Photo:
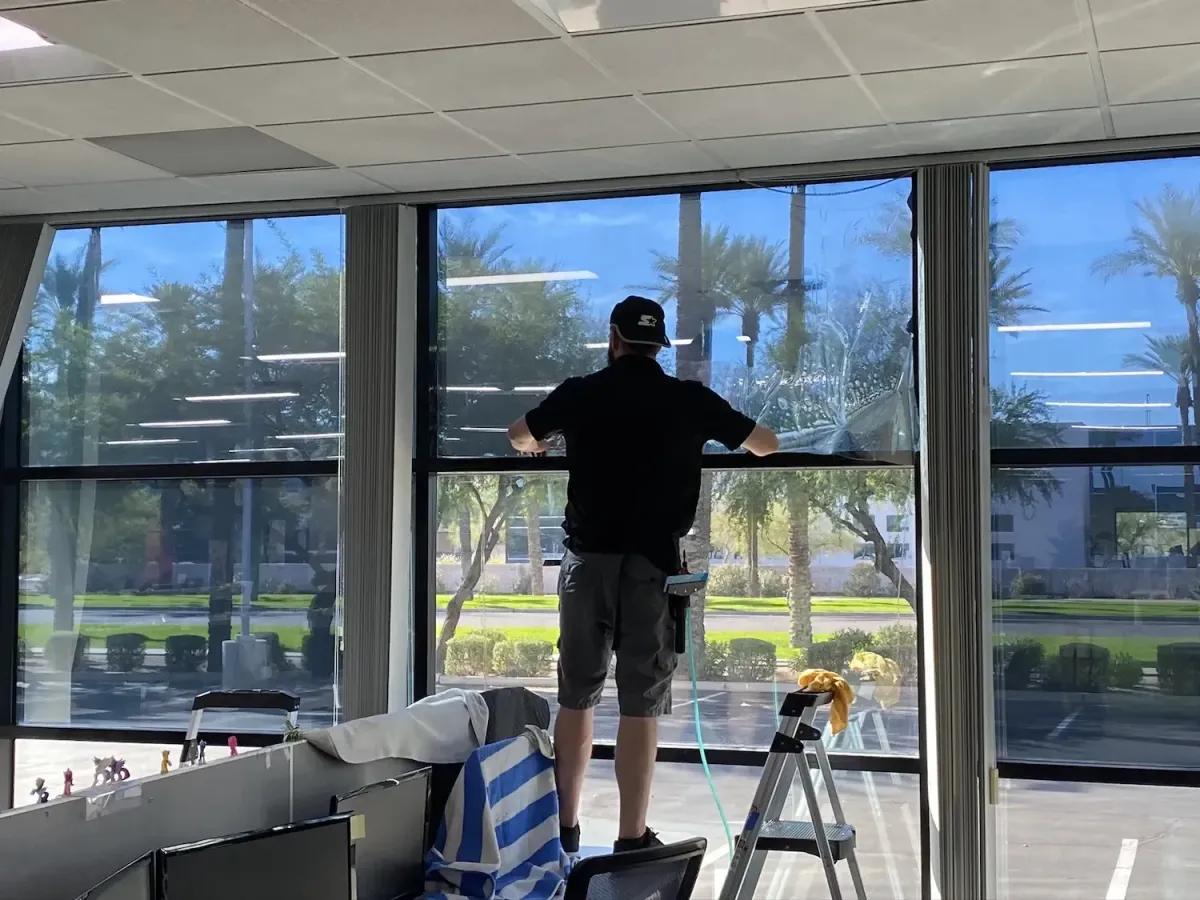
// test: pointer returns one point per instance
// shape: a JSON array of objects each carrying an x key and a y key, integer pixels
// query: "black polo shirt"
[{"x": 634, "y": 438}]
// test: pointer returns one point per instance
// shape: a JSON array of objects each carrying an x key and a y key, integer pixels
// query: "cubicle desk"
[{"x": 58, "y": 850}]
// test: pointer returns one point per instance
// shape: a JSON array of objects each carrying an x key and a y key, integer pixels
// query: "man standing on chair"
[{"x": 634, "y": 438}]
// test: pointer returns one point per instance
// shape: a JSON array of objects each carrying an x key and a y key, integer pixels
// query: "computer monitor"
[
  {"x": 389, "y": 845},
  {"x": 134, "y": 882},
  {"x": 303, "y": 861}
]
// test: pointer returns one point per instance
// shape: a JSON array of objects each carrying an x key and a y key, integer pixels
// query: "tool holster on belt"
[{"x": 678, "y": 605}]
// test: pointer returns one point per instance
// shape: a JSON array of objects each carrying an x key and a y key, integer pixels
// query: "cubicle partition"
[{"x": 58, "y": 850}]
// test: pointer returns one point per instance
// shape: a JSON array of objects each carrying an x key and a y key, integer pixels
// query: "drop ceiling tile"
[
  {"x": 22, "y": 202},
  {"x": 14, "y": 132},
  {"x": 105, "y": 106},
  {"x": 1148, "y": 119},
  {"x": 159, "y": 36},
  {"x": 621, "y": 162},
  {"x": 884, "y": 38},
  {"x": 579, "y": 125},
  {"x": 365, "y": 142},
  {"x": 768, "y": 108},
  {"x": 495, "y": 75},
  {"x": 809, "y": 146},
  {"x": 986, "y": 132},
  {"x": 53, "y": 62},
  {"x": 289, "y": 185},
  {"x": 215, "y": 151},
  {"x": 128, "y": 195},
  {"x": 69, "y": 162},
  {"x": 453, "y": 174},
  {"x": 291, "y": 92},
  {"x": 737, "y": 51},
  {"x": 1125, "y": 24},
  {"x": 1032, "y": 85},
  {"x": 388, "y": 26},
  {"x": 1159, "y": 73}
]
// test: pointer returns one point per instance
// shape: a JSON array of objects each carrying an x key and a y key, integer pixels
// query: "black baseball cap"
[{"x": 640, "y": 321}]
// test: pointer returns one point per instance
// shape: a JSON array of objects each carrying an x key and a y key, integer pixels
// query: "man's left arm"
[{"x": 552, "y": 416}]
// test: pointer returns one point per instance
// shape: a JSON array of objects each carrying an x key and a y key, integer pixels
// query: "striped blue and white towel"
[{"x": 499, "y": 838}]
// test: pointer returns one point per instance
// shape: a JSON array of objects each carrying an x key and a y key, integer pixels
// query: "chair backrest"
[{"x": 656, "y": 873}]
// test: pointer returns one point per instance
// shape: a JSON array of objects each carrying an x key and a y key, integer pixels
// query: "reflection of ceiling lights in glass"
[
  {"x": 1085, "y": 404},
  {"x": 471, "y": 389},
  {"x": 185, "y": 423},
  {"x": 1126, "y": 427},
  {"x": 316, "y": 436},
  {"x": 141, "y": 442},
  {"x": 1073, "y": 326},
  {"x": 18, "y": 37},
  {"x": 481, "y": 430},
  {"x": 675, "y": 342},
  {"x": 123, "y": 299},
  {"x": 263, "y": 450},
  {"x": 597, "y": 346},
  {"x": 591, "y": 15},
  {"x": 520, "y": 278},
  {"x": 265, "y": 395},
  {"x": 322, "y": 356},
  {"x": 534, "y": 388},
  {"x": 744, "y": 338},
  {"x": 1087, "y": 374}
]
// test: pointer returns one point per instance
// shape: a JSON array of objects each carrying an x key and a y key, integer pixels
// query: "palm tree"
[
  {"x": 1167, "y": 245},
  {"x": 756, "y": 282},
  {"x": 535, "y": 502}
]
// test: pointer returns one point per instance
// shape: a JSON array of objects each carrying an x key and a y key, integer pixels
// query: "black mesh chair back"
[{"x": 656, "y": 873}]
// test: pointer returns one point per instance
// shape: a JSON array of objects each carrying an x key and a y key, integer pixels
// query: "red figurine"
[
  {"x": 68, "y": 782},
  {"x": 232, "y": 746}
]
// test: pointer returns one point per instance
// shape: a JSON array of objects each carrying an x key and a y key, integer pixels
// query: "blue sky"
[{"x": 1068, "y": 216}]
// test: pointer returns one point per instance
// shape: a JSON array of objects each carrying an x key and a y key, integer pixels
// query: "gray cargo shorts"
[{"x": 599, "y": 593}]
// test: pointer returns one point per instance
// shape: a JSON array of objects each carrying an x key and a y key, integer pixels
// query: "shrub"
[
  {"x": 504, "y": 658},
  {"x": 861, "y": 581},
  {"x": 751, "y": 659},
  {"x": 715, "y": 663},
  {"x": 186, "y": 652},
  {"x": 524, "y": 582},
  {"x": 1179, "y": 669},
  {"x": 1016, "y": 661},
  {"x": 899, "y": 644},
  {"x": 487, "y": 585},
  {"x": 317, "y": 654},
  {"x": 439, "y": 584},
  {"x": 728, "y": 581},
  {"x": 799, "y": 662},
  {"x": 276, "y": 655},
  {"x": 835, "y": 653},
  {"x": 469, "y": 654},
  {"x": 126, "y": 651},
  {"x": 773, "y": 583},
  {"x": 1027, "y": 584},
  {"x": 535, "y": 657},
  {"x": 66, "y": 651},
  {"x": 1081, "y": 667},
  {"x": 1126, "y": 672}
]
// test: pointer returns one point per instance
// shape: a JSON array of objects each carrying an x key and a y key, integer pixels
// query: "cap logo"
[{"x": 647, "y": 322}]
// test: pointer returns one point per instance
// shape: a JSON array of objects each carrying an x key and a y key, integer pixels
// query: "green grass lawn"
[
  {"x": 35, "y": 635},
  {"x": 1083, "y": 608},
  {"x": 849, "y": 605}
]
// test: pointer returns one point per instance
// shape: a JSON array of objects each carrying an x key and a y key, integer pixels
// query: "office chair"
[{"x": 656, "y": 873}]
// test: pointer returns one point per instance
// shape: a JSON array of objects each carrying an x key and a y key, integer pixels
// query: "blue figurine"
[{"x": 202, "y": 746}]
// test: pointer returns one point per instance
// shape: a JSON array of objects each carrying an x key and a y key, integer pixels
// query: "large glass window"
[
  {"x": 177, "y": 488},
  {"x": 793, "y": 304},
  {"x": 185, "y": 342}
]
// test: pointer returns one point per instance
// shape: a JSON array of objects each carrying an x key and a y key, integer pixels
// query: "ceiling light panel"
[
  {"x": 18, "y": 37},
  {"x": 1073, "y": 326},
  {"x": 521, "y": 278},
  {"x": 595, "y": 15},
  {"x": 125, "y": 299}
]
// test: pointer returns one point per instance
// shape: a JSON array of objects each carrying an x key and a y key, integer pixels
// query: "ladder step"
[{"x": 801, "y": 837}]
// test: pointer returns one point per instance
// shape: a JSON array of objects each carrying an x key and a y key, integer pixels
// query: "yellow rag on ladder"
[{"x": 821, "y": 681}]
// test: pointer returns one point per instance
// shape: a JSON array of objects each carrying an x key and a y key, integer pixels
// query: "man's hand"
[{"x": 525, "y": 443}]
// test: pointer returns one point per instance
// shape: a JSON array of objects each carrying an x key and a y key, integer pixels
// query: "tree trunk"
[
  {"x": 864, "y": 526},
  {"x": 799, "y": 563},
  {"x": 1190, "y": 295},
  {"x": 464, "y": 539},
  {"x": 64, "y": 501},
  {"x": 507, "y": 496},
  {"x": 754, "y": 589},
  {"x": 696, "y": 546},
  {"x": 795, "y": 336},
  {"x": 533, "y": 533}
]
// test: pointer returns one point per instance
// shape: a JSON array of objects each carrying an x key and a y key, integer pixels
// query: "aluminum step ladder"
[
  {"x": 281, "y": 701},
  {"x": 764, "y": 832}
]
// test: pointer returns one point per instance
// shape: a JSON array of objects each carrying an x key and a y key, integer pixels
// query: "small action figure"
[
  {"x": 116, "y": 769},
  {"x": 39, "y": 788},
  {"x": 202, "y": 746},
  {"x": 166, "y": 763},
  {"x": 232, "y": 746},
  {"x": 68, "y": 782}
]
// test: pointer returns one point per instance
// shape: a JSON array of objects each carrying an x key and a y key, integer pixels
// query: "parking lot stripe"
[{"x": 1124, "y": 870}]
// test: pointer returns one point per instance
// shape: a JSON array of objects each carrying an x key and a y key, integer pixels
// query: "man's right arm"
[{"x": 719, "y": 421}]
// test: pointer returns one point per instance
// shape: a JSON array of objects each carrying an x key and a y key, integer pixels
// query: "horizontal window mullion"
[
  {"x": 1097, "y": 774},
  {"x": 711, "y": 462},
  {"x": 737, "y": 756},
  {"x": 1042, "y": 457},
  {"x": 315, "y": 468}
]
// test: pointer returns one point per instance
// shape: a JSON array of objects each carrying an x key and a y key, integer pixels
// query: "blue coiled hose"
[{"x": 700, "y": 735}]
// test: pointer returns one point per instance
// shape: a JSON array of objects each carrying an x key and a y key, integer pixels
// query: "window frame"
[{"x": 16, "y": 472}]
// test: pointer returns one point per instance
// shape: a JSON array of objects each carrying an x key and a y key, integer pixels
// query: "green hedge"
[
  {"x": 125, "y": 652},
  {"x": 1016, "y": 661},
  {"x": 1179, "y": 669},
  {"x": 185, "y": 652},
  {"x": 750, "y": 659},
  {"x": 527, "y": 659}
]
